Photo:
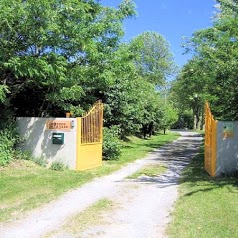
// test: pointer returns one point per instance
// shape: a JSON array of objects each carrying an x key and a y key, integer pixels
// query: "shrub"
[
  {"x": 22, "y": 155},
  {"x": 8, "y": 139},
  {"x": 58, "y": 166},
  {"x": 111, "y": 143}
]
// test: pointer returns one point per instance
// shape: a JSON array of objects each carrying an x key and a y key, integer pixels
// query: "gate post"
[
  {"x": 78, "y": 145},
  {"x": 210, "y": 142}
]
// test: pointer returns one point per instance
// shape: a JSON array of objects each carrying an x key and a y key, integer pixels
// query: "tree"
[
  {"x": 169, "y": 117},
  {"x": 50, "y": 48},
  {"x": 130, "y": 101},
  {"x": 216, "y": 47},
  {"x": 153, "y": 58},
  {"x": 191, "y": 89}
]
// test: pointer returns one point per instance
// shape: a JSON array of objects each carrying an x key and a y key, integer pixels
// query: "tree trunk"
[
  {"x": 199, "y": 123},
  {"x": 194, "y": 122},
  {"x": 200, "y": 119}
]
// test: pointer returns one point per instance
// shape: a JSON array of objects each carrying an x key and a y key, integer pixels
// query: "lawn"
[
  {"x": 25, "y": 186},
  {"x": 207, "y": 207},
  {"x": 91, "y": 216}
]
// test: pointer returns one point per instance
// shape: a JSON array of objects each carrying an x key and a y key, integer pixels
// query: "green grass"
[
  {"x": 92, "y": 216},
  {"x": 207, "y": 207},
  {"x": 152, "y": 170},
  {"x": 27, "y": 186}
]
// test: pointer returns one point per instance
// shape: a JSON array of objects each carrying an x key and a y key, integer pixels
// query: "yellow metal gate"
[
  {"x": 89, "y": 138},
  {"x": 210, "y": 141}
]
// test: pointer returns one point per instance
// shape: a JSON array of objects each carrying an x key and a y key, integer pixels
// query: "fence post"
[{"x": 79, "y": 135}]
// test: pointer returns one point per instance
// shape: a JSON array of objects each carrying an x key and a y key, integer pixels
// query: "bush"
[
  {"x": 8, "y": 139},
  {"x": 111, "y": 143},
  {"x": 58, "y": 166},
  {"x": 22, "y": 155}
]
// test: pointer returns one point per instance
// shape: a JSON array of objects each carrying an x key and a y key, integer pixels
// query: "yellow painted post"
[
  {"x": 78, "y": 149},
  {"x": 101, "y": 123},
  {"x": 210, "y": 142},
  {"x": 207, "y": 137},
  {"x": 214, "y": 148}
]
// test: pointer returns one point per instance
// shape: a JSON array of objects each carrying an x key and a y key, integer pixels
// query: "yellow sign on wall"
[{"x": 58, "y": 125}]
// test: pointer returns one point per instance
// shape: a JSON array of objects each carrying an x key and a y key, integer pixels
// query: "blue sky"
[{"x": 171, "y": 18}]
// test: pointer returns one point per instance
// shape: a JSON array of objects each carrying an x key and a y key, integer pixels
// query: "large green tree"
[
  {"x": 130, "y": 101},
  {"x": 153, "y": 57},
  {"x": 50, "y": 48}
]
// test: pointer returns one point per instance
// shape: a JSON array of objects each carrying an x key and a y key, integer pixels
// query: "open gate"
[
  {"x": 210, "y": 141},
  {"x": 89, "y": 138}
]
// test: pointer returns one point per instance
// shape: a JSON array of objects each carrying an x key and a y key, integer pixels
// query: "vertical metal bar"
[
  {"x": 90, "y": 127},
  {"x": 83, "y": 130},
  {"x": 88, "y": 130},
  {"x": 100, "y": 121},
  {"x": 79, "y": 142}
]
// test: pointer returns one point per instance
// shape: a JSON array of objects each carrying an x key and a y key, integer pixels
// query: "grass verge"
[
  {"x": 92, "y": 216},
  {"x": 152, "y": 170},
  {"x": 26, "y": 186},
  {"x": 207, "y": 207}
]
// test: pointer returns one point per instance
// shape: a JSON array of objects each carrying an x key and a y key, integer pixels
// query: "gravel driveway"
[{"x": 145, "y": 203}]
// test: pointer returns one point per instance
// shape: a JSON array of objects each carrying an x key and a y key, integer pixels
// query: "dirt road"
[{"x": 144, "y": 204}]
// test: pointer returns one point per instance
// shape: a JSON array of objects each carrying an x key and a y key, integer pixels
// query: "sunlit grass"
[
  {"x": 92, "y": 216},
  {"x": 208, "y": 207}
]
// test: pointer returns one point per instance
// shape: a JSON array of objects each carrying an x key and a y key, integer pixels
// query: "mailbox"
[{"x": 58, "y": 138}]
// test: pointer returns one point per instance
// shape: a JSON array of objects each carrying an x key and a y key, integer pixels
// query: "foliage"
[
  {"x": 212, "y": 74},
  {"x": 194, "y": 80},
  {"x": 8, "y": 138},
  {"x": 22, "y": 155},
  {"x": 3, "y": 93},
  {"x": 58, "y": 166},
  {"x": 185, "y": 120},
  {"x": 170, "y": 115},
  {"x": 111, "y": 143},
  {"x": 6, "y": 146},
  {"x": 52, "y": 53},
  {"x": 130, "y": 101},
  {"x": 153, "y": 58}
]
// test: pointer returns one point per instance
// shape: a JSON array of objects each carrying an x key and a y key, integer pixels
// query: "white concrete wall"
[
  {"x": 38, "y": 140},
  {"x": 227, "y": 149}
]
